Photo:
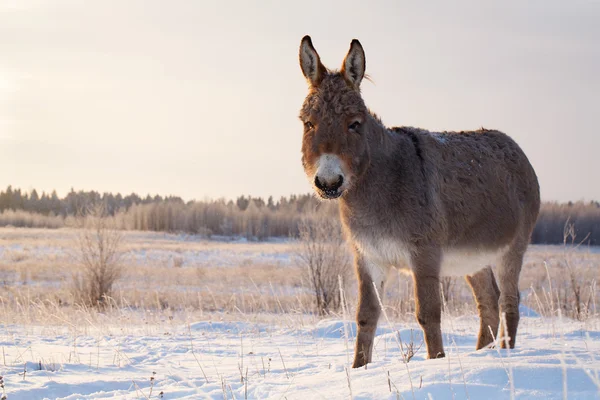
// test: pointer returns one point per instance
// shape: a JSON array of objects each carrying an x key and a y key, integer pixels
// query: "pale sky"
[{"x": 200, "y": 99}]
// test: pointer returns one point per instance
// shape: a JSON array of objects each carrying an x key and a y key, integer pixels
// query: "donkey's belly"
[
  {"x": 455, "y": 262},
  {"x": 385, "y": 252},
  {"x": 460, "y": 262}
]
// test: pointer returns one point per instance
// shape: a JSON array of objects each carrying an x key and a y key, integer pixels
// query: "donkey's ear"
[
  {"x": 353, "y": 68},
  {"x": 310, "y": 62}
]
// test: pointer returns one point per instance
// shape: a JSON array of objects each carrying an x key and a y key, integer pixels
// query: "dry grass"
[
  {"x": 169, "y": 277},
  {"x": 162, "y": 273}
]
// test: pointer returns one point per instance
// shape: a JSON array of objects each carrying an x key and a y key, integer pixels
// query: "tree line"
[{"x": 252, "y": 217}]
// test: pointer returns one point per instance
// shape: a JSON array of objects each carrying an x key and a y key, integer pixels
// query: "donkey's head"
[{"x": 335, "y": 151}]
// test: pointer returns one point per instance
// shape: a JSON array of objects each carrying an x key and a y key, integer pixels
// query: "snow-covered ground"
[
  {"x": 289, "y": 359},
  {"x": 231, "y": 348}
]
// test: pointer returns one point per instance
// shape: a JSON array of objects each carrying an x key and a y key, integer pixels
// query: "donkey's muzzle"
[{"x": 329, "y": 190}]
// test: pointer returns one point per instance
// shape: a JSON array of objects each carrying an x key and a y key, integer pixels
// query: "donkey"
[{"x": 432, "y": 204}]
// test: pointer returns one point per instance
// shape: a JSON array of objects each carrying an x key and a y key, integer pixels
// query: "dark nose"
[{"x": 329, "y": 186}]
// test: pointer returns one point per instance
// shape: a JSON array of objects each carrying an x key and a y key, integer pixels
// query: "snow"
[
  {"x": 440, "y": 137},
  {"x": 288, "y": 358}
]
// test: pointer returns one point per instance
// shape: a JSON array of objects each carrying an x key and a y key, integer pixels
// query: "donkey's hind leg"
[
  {"x": 508, "y": 280},
  {"x": 486, "y": 294}
]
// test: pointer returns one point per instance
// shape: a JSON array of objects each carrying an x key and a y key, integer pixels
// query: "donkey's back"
[{"x": 486, "y": 187}]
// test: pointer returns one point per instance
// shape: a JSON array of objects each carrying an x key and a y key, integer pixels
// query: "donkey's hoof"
[{"x": 441, "y": 354}]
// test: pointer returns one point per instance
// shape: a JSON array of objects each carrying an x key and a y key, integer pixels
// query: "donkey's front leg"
[
  {"x": 426, "y": 270},
  {"x": 368, "y": 308}
]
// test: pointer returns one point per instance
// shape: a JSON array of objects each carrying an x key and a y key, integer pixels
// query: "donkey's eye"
[
  {"x": 354, "y": 126},
  {"x": 308, "y": 125}
]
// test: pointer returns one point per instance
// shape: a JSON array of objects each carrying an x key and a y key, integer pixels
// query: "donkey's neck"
[
  {"x": 393, "y": 190},
  {"x": 377, "y": 134},
  {"x": 392, "y": 159}
]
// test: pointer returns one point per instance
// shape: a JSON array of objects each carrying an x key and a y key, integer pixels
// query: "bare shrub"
[
  {"x": 98, "y": 254},
  {"x": 563, "y": 279},
  {"x": 399, "y": 297},
  {"x": 408, "y": 350},
  {"x": 178, "y": 261},
  {"x": 578, "y": 302},
  {"x": 555, "y": 216},
  {"x": 324, "y": 256}
]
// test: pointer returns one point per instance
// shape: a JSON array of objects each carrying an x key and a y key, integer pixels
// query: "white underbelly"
[
  {"x": 455, "y": 262},
  {"x": 461, "y": 262},
  {"x": 385, "y": 252}
]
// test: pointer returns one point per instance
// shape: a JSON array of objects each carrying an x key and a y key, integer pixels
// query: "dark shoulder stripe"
[{"x": 414, "y": 137}]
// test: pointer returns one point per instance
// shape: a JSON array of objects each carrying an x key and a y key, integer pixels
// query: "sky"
[{"x": 200, "y": 99}]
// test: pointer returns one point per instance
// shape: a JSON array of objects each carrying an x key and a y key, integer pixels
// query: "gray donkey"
[{"x": 435, "y": 204}]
